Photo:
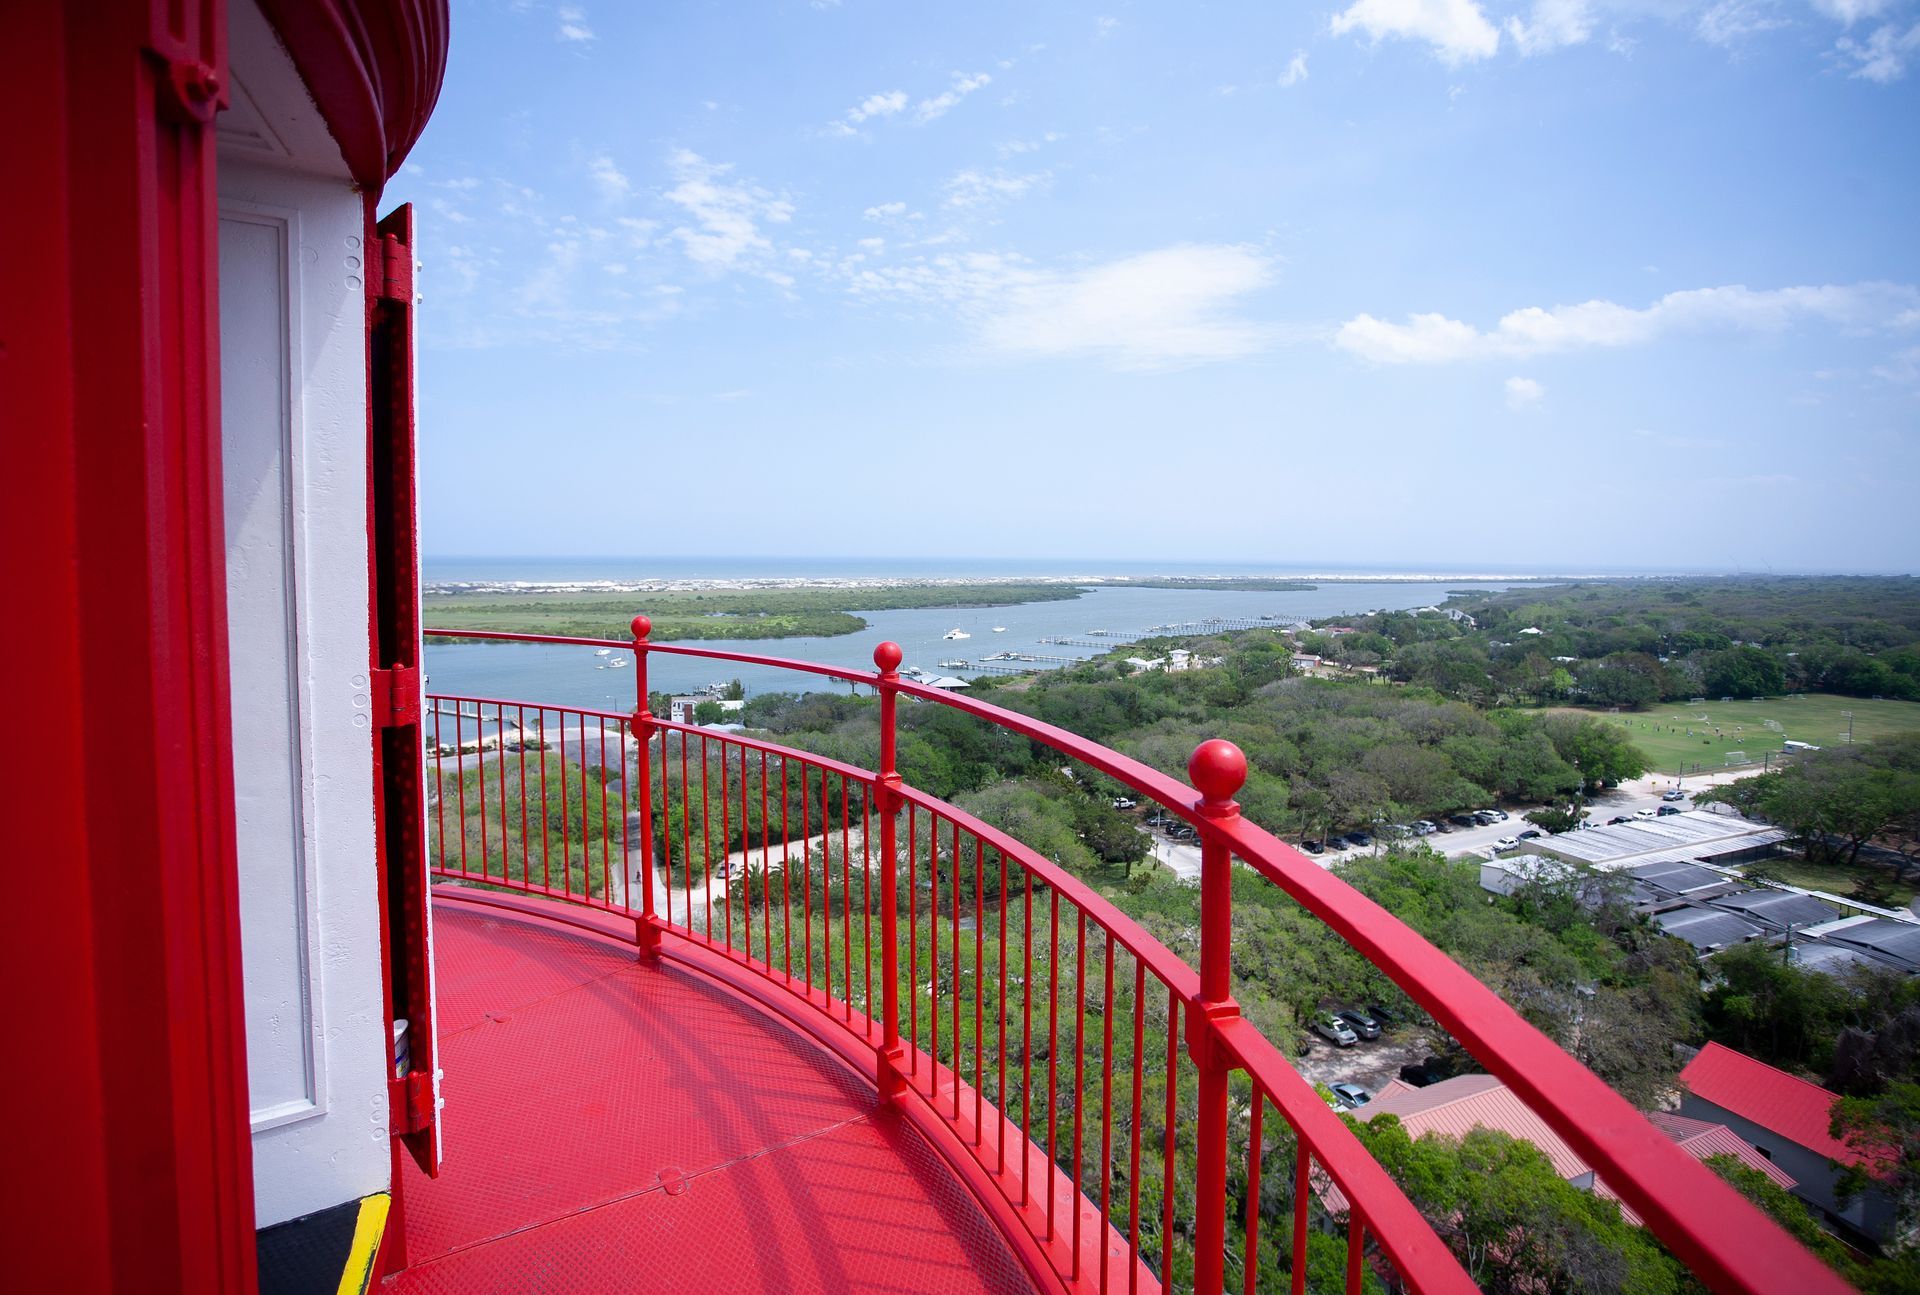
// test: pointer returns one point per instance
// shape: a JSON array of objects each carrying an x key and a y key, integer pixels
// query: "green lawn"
[
  {"x": 1673, "y": 733},
  {"x": 1835, "y": 878}
]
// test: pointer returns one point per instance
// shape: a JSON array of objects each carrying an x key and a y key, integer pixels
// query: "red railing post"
[
  {"x": 1217, "y": 770},
  {"x": 647, "y": 925},
  {"x": 888, "y": 1069}
]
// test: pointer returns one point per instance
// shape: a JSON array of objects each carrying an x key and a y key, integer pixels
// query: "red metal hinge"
[
  {"x": 396, "y": 696},
  {"x": 410, "y": 1102},
  {"x": 390, "y": 270}
]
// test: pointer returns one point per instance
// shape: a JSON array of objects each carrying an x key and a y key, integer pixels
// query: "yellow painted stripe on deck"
[{"x": 367, "y": 1231}]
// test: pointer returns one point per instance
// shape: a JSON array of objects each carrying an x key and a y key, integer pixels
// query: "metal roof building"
[
  {"x": 1706, "y": 929},
  {"x": 1780, "y": 910},
  {"x": 1676, "y": 838}
]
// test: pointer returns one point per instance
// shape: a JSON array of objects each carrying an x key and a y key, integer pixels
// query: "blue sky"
[{"x": 1562, "y": 283}]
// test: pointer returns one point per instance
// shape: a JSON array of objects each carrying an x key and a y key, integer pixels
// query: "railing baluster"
[
  {"x": 460, "y": 784},
  {"x": 726, "y": 855},
  {"x": 1356, "y": 1248},
  {"x": 546, "y": 835},
  {"x": 786, "y": 880},
  {"x": 1079, "y": 1069},
  {"x": 846, "y": 911},
  {"x": 1253, "y": 1194},
  {"x": 1053, "y": 1048},
  {"x": 766, "y": 868},
  {"x": 1302, "y": 1200},
  {"x": 1167, "y": 1191},
  {"x": 1000, "y": 1086},
  {"x": 953, "y": 958},
  {"x": 1026, "y": 1038},
  {"x": 979, "y": 982},
  {"x": 1106, "y": 1110},
  {"x": 933, "y": 954},
  {"x": 1133, "y": 1150}
]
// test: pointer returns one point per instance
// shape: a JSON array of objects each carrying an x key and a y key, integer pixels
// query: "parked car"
[
  {"x": 1351, "y": 1096},
  {"x": 1485, "y": 818},
  {"x": 1442, "y": 826},
  {"x": 1644, "y": 814},
  {"x": 1425, "y": 827},
  {"x": 1360, "y": 839},
  {"x": 1360, "y": 1023},
  {"x": 1504, "y": 844},
  {"x": 1334, "y": 1030},
  {"x": 1618, "y": 819},
  {"x": 1531, "y": 834},
  {"x": 1312, "y": 847},
  {"x": 1673, "y": 793},
  {"x": 1122, "y": 802},
  {"x": 1461, "y": 820},
  {"x": 1499, "y": 815},
  {"x": 1665, "y": 810},
  {"x": 1385, "y": 1015}
]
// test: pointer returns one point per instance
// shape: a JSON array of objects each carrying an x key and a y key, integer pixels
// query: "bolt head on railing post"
[{"x": 1217, "y": 769}]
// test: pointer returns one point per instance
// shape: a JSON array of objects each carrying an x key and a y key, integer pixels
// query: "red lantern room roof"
[{"x": 374, "y": 68}]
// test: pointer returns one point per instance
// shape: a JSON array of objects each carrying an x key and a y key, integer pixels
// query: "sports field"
[{"x": 1709, "y": 733}]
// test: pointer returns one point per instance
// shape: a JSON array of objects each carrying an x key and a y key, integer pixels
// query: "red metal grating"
[{"x": 612, "y": 1125}]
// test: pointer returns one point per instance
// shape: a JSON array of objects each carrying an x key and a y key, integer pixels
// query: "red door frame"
[
  {"x": 393, "y": 588},
  {"x": 123, "y": 939}
]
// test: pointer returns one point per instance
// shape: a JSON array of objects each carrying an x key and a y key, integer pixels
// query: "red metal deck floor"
[{"x": 614, "y": 1126}]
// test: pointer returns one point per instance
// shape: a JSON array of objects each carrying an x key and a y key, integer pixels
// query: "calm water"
[{"x": 574, "y": 676}]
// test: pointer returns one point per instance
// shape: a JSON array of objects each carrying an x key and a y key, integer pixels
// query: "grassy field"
[
  {"x": 714, "y": 613},
  {"x": 1673, "y": 733},
  {"x": 1836, "y": 878}
]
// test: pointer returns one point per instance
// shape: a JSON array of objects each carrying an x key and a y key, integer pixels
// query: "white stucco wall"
[{"x": 293, "y": 408}]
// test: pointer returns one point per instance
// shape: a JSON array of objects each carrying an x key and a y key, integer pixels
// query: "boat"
[
  {"x": 617, "y": 662},
  {"x": 603, "y": 651},
  {"x": 956, "y": 633},
  {"x": 953, "y": 665},
  {"x": 999, "y": 629}
]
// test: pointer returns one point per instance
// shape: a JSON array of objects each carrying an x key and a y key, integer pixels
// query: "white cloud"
[
  {"x": 1523, "y": 393},
  {"x": 573, "y": 25},
  {"x": 608, "y": 179},
  {"x": 725, "y": 216},
  {"x": 1436, "y": 339},
  {"x": 885, "y": 211},
  {"x": 1162, "y": 309},
  {"x": 1902, "y": 367},
  {"x": 878, "y": 105},
  {"x": 939, "y": 105},
  {"x": 980, "y": 189},
  {"x": 1882, "y": 57},
  {"x": 1104, "y": 26},
  {"x": 1296, "y": 70},
  {"x": 1458, "y": 30},
  {"x": 1015, "y": 147},
  {"x": 1553, "y": 25},
  {"x": 1849, "y": 12},
  {"x": 1731, "y": 22}
]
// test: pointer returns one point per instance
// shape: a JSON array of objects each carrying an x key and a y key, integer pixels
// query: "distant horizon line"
[{"x": 1143, "y": 566}]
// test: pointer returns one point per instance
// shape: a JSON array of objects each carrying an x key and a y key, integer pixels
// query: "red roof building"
[
  {"x": 1787, "y": 1119},
  {"x": 1455, "y": 1107},
  {"x": 1794, "y": 1108}
]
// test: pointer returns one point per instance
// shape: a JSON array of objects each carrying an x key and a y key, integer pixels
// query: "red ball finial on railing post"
[
  {"x": 646, "y": 925},
  {"x": 888, "y": 656},
  {"x": 1218, "y": 769}
]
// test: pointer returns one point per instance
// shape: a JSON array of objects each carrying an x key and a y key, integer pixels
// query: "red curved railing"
[{"x": 1113, "y": 1172}]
